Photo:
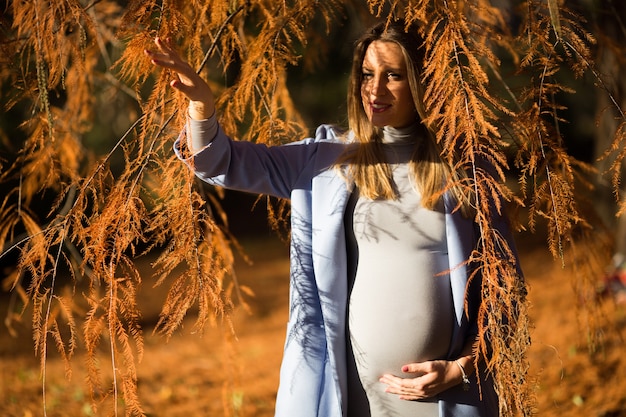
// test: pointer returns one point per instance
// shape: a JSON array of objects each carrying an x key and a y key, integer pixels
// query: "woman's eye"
[
  {"x": 394, "y": 76},
  {"x": 366, "y": 75}
]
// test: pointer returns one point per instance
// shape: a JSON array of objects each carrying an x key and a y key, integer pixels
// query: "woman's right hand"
[{"x": 188, "y": 82}]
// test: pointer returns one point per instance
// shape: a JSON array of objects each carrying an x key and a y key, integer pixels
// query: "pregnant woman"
[{"x": 382, "y": 319}]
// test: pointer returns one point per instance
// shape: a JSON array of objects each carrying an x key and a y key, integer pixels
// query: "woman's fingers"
[
  {"x": 187, "y": 80},
  {"x": 430, "y": 378},
  {"x": 168, "y": 58},
  {"x": 406, "y": 389}
]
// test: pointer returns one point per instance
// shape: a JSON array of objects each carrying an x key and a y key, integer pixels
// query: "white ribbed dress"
[{"x": 400, "y": 302}]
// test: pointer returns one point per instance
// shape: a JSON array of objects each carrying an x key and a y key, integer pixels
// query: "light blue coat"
[{"x": 313, "y": 376}]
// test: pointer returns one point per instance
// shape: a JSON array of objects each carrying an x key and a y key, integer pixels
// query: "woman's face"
[{"x": 385, "y": 91}]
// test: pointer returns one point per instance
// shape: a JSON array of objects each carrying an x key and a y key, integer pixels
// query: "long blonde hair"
[{"x": 365, "y": 162}]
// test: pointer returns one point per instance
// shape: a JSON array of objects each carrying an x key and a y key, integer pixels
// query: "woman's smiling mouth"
[{"x": 379, "y": 107}]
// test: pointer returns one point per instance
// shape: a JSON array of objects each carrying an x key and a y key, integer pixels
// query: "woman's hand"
[
  {"x": 431, "y": 378},
  {"x": 188, "y": 82}
]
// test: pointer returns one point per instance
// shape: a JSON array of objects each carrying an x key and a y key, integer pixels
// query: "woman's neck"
[{"x": 400, "y": 135}]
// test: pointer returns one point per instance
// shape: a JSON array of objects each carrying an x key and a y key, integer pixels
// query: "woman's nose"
[{"x": 377, "y": 86}]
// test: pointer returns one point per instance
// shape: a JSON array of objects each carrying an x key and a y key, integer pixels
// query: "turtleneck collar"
[{"x": 400, "y": 136}]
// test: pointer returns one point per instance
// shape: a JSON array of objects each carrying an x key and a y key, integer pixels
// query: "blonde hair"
[{"x": 365, "y": 163}]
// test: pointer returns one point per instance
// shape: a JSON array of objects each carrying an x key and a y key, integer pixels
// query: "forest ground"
[{"x": 204, "y": 375}]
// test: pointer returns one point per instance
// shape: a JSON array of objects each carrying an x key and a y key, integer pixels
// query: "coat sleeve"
[{"x": 255, "y": 168}]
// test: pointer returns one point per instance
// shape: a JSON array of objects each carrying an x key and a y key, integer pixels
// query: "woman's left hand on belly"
[{"x": 431, "y": 378}]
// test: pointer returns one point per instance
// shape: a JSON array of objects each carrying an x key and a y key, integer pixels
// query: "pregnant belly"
[{"x": 399, "y": 314}]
